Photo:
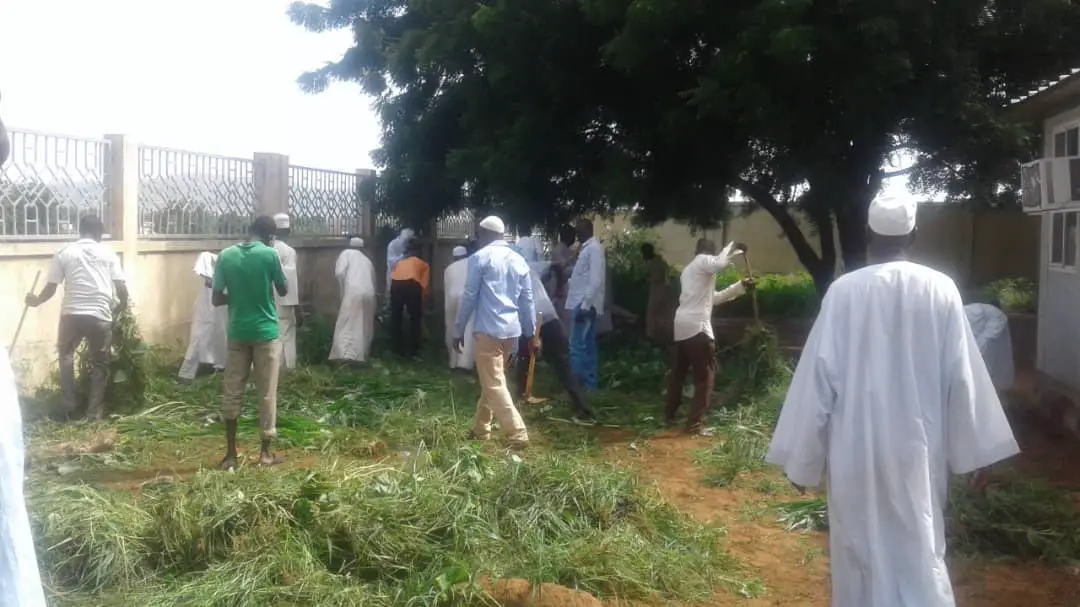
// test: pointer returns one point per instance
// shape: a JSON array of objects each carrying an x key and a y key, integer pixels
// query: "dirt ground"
[{"x": 795, "y": 567}]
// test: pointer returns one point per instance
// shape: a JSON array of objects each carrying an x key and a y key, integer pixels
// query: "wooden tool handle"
[
  {"x": 753, "y": 294},
  {"x": 26, "y": 307}
]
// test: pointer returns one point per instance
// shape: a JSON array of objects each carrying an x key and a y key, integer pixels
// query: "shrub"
[
  {"x": 1011, "y": 295},
  {"x": 629, "y": 273},
  {"x": 778, "y": 295}
]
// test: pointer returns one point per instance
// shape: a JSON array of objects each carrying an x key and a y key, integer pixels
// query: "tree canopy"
[{"x": 551, "y": 109}]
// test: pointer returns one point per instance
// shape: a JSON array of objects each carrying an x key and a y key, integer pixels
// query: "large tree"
[{"x": 548, "y": 109}]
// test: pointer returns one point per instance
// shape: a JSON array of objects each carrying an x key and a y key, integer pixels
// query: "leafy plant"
[
  {"x": 128, "y": 367},
  {"x": 1012, "y": 295}
]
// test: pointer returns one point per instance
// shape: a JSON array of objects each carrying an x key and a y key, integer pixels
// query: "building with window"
[{"x": 1051, "y": 190}]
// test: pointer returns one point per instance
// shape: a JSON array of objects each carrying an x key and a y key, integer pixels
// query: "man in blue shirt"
[{"x": 498, "y": 289}]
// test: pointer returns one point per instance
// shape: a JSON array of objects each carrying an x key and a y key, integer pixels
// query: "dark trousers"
[
  {"x": 74, "y": 328},
  {"x": 406, "y": 296},
  {"x": 556, "y": 350},
  {"x": 698, "y": 356}
]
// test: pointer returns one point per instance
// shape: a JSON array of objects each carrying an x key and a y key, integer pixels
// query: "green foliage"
[
  {"x": 1012, "y": 295},
  {"x": 629, "y": 272},
  {"x": 779, "y": 295},
  {"x": 551, "y": 109},
  {"x": 128, "y": 370},
  {"x": 315, "y": 339}
]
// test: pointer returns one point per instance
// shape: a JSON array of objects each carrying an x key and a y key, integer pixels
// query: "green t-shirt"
[{"x": 248, "y": 272}]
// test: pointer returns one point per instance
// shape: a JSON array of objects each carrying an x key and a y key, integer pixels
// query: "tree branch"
[
  {"x": 787, "y": 223},
  {"x": 896, "y": 173}
]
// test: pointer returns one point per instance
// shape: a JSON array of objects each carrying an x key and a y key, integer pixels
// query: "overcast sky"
[{"x": 216, "y": 76}]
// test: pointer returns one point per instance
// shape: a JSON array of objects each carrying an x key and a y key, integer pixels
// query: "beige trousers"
[
  {"x": 495, "y": 399},
  {"x": 265, "y": 357}
]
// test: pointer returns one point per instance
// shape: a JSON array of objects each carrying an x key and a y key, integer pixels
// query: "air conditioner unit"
[
  {"x": 1032, "y": 186},
  {"x": 1050, "y": 183}
]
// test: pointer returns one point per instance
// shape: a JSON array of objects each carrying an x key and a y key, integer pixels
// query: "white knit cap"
[
  {"x": 356, "y": 242},
  {"x": 492, "y": 223},
  {"x": 892, "y": 216},
  {"x": 281, "y": 220},
  {"x": 459, "y": 252}
]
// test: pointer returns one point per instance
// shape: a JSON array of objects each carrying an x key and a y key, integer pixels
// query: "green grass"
[{"x": 397, "y": 508}]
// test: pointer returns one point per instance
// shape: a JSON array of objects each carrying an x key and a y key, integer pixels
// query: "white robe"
[
  {"x": 207, "y": 342},
  {"x": 355, "y": 327},
  {"x": 20, "y": 583},
  {"x": 890, "y": 396},
  {"x": 286, "y": 306},
  {"x": 991, "y": 328},
  {"x": 453, "y": 290}
]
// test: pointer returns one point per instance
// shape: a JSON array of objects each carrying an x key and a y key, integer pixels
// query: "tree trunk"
[{"x": 821, "y": 268}]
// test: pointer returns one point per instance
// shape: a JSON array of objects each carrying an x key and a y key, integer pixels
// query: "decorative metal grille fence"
[
  {"x": 49, "y": 183},
  {"x": 324, "y": 203},
  {"x": 192, "y": 195},
  {"x": 458, "y": 226}
]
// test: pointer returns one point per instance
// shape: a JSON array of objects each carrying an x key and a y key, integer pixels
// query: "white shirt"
[
  {"x": 544, "y": 307},
  {"x": 87, "y": 269},
  {"x": 699, "y": 295},
  {"x": 288, "y": 268},
  {"x": 889, "y": 397},
  {"x": 587, "y": 284}
]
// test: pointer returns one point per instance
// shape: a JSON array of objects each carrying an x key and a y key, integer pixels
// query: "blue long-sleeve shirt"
[{"x": 499, "y": 290}]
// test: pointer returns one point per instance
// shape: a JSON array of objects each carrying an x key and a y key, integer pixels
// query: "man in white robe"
[
  {"x": 206, "y": 345},
  {"x": 889, "y": 397},
  {"x": 453, "y": 290},
  {"x": 355, "y": 327},
  {"x": 288, "y": 319},
  {"x": 991, "y": 328},
  {"x": 20, "y": 583}
]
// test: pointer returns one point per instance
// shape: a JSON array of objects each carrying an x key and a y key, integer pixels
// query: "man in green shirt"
[{"x": 245, "y": 279}]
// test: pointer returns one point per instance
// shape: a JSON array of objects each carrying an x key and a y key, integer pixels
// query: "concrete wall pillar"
[
  {"x": 122, "y": 187},
  {"x": 271, "y": 178}
]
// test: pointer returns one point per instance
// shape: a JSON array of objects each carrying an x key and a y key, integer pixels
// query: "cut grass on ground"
[{"x": 397, "y": 508}]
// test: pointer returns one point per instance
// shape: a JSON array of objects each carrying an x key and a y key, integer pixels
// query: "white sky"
[{"x": 215, "y": 76}]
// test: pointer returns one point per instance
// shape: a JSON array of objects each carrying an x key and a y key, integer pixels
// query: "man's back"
[
  {"x": 287, "y": 255},
  {"x": 454, "y": 279},
  {"x": 87, "y": 269},
  {"x": 503, "y": 277},
  {"x": 248, "y": 272},
  {"x": 890, "y": 395}
]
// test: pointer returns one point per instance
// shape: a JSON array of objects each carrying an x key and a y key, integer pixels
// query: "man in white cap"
[
  {"x": 453, "y": 290},
  {"x": 20, "y": 583},
  {"x": 498, "y": 290},
  {"x": 889, "y": 397},
  {"x": 206, "y": 344},
  {"x": 288, "y": 318},
  {"x": 355, "y": 327}
]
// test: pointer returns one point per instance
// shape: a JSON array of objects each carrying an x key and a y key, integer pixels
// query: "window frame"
[
  {"x": 1064, "y": 265},
  {"x": 1064, "y": 130}
]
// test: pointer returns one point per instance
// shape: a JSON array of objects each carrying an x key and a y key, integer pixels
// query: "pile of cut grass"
[{"x": 420, "y": 533}]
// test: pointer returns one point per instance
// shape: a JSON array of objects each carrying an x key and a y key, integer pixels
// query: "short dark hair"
[
  {"x": 91, "y": 224},
  {"x": 263, "y": 227}
]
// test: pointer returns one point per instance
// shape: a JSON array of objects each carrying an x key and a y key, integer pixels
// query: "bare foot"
[
  {"x": 228, "y": 464},
  {"x": 268, "y": 459}
]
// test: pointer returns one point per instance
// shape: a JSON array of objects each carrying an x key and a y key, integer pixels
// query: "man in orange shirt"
[{"x": 408, "y": 291}]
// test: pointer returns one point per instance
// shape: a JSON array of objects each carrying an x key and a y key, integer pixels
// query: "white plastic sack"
[{"x": 991, "y": 328}]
